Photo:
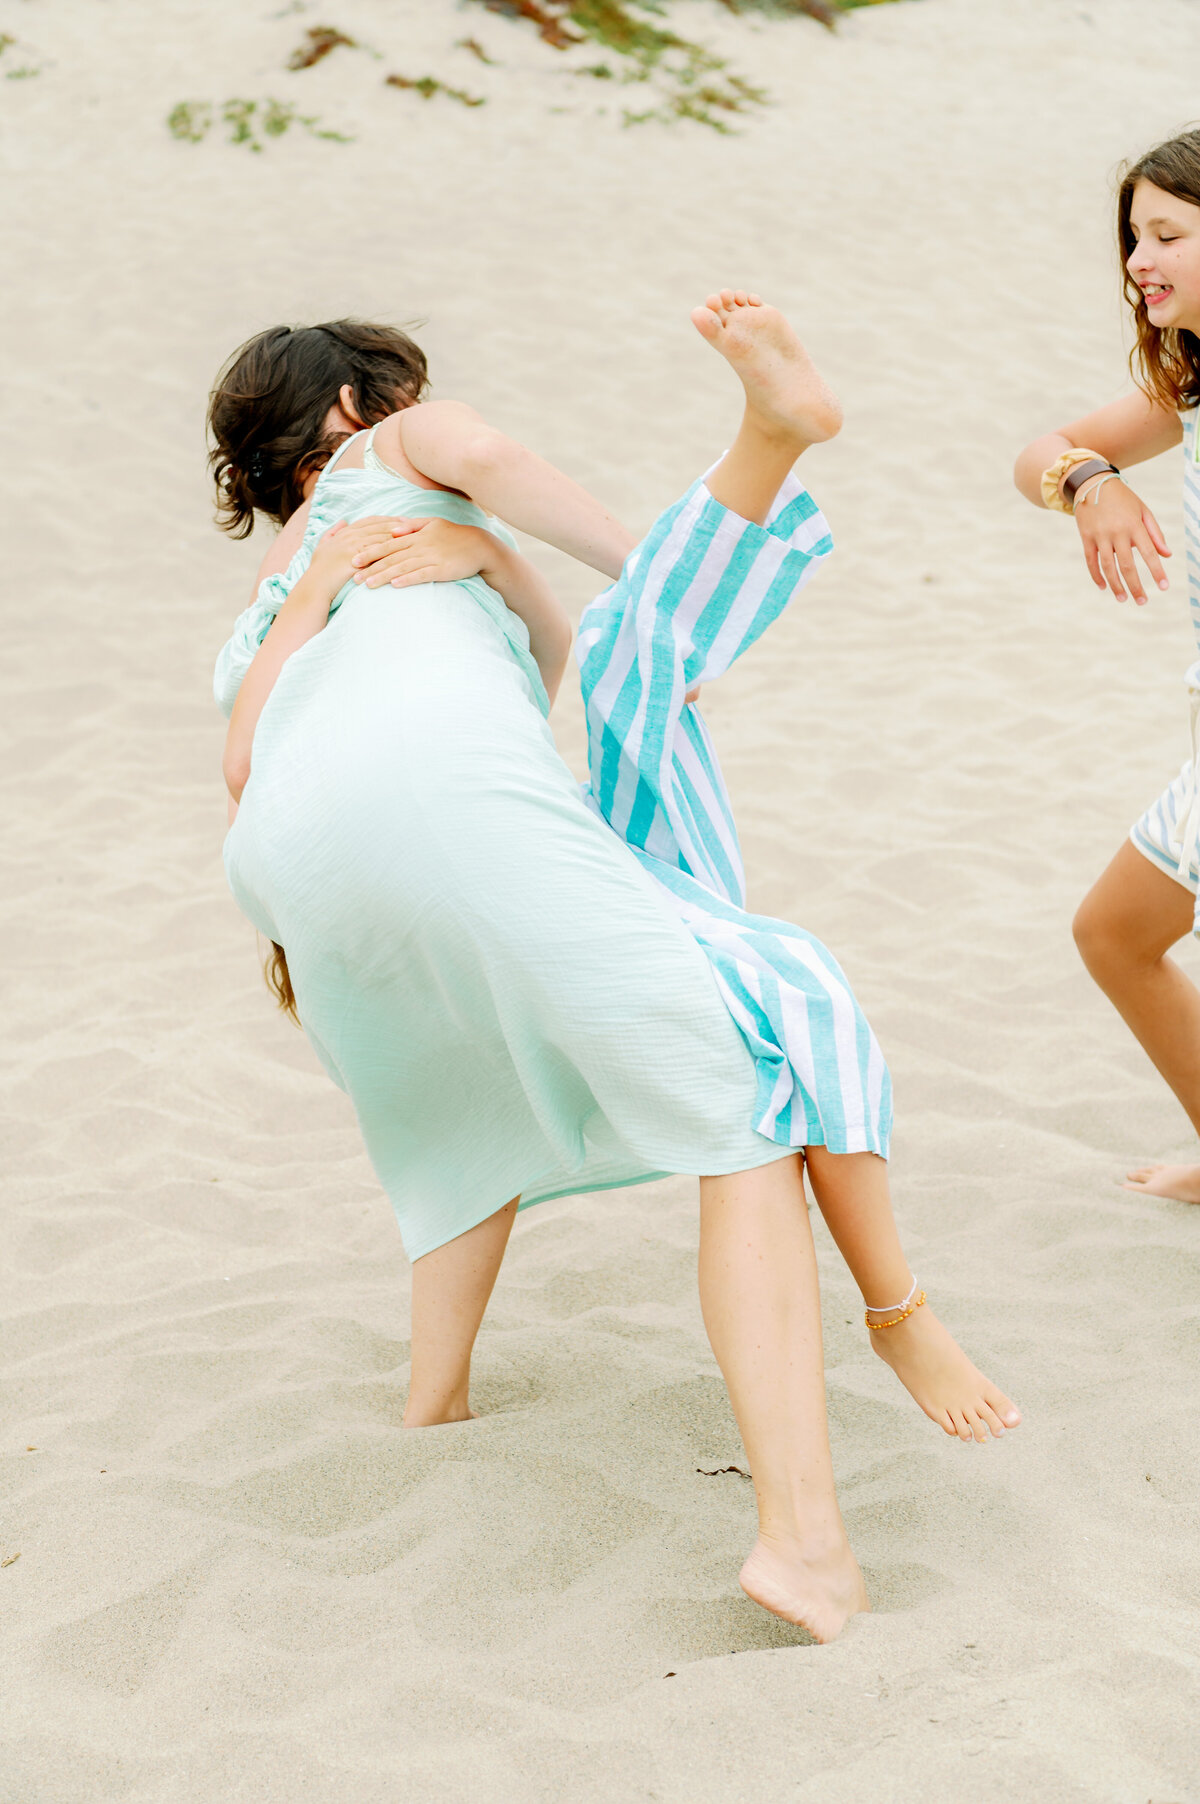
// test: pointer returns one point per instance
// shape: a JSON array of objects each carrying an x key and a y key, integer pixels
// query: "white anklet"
[{"x": 899, "y": 1312}]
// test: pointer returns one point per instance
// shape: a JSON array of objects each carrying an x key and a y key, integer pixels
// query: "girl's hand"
[
  {"x": 430, "y": 551},
  {"x": 338, "y": 553},
  {"x": 1113, "y": 527}
]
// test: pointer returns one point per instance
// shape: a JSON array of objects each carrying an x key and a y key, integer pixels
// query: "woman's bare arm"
[{"x": 450, "y": 444}]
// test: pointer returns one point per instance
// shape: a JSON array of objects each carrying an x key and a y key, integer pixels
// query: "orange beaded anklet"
[{"x": 911, "y": 1303}]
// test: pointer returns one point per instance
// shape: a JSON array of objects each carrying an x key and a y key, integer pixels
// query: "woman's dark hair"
[
  {"x": 1165, "y": 360},
  {"x": 267, "y": 409}
]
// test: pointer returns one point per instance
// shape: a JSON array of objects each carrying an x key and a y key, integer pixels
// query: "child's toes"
[
  {"x": 1004, "y": 1407},
  {"x": 992, "y": 1419},
  {"x": 727, "y": 299}
]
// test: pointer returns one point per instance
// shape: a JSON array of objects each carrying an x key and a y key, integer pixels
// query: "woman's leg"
[
  {"x": 852, "y": 1193},
  {"x": 758, "y": 1291},
  {"x": 1124, "y": 929},
  {"x": 450, "y": 1291}
]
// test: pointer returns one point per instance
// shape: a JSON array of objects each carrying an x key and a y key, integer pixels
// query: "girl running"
[
  {"x": 1146, "y": 900},
  {"x": 525, "y": 992}
]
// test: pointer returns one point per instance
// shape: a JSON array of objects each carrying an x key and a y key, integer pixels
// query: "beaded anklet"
[{"x": 905, "y": 1309}]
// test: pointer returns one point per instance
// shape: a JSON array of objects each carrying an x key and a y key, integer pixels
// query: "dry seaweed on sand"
[
  {"x": 476, "y": 49},
  {"x": 248, "y": 122},
  {"x": 547, "y": 18},
  {"x": 428, "y": 85},
  {"x": 321, "y": 40},
  {"x": 825, "y": 12},
  {"x": 820, "y": 10},
  {"x": 687, "y": 80}
]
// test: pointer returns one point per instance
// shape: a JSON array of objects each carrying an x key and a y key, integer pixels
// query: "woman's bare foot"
[
  {"x": 819, "y": 1593},
  {"x": 443, "y": 1417},
  {"x": 784, "y": 393},
  {"x": 1179, "y": 1182},
  {"x": 937, "y": 1374}
]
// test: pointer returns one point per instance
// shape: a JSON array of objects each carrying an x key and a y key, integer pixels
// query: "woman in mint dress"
[{"x": 527, "y": 991}]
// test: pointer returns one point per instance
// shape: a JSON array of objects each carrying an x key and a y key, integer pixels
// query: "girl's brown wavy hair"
[
  {"x": 279, "y": 981},
  {"x": 1165, "y": 361},
  {"x": 266, "y": 412}
]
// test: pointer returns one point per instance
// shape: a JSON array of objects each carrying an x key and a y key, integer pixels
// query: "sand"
[{"x": 237, "y": 1579}]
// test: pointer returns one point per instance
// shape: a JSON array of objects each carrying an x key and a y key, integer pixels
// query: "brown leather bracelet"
[{"x": 1074, "y": 479}]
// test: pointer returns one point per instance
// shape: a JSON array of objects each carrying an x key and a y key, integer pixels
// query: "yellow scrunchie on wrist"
[{"x": 1051, "y": 478}]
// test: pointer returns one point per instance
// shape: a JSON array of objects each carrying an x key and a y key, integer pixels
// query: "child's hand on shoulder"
[
  {"x": 339, "y": 552},
  {"x": 429, "y": 551}
]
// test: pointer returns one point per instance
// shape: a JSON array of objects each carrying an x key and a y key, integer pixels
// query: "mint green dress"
[{"x": 509, "y": 1000}]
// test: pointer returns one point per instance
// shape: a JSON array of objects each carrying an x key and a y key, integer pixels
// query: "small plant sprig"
[
  {"x": 247, "y": 122},
  {"x": 428, "y": 85},
  {"x": 22, "y": 71},
  {"x": 319, "y": 41}
]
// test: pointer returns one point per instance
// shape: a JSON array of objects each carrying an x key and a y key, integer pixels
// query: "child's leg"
[
  {"x": 1124, "y": 928},
  {"x": 450, "y": 1291},
  {"x": 788, "y": 406},
  {"x": 758, "y": 1291},
  {"x": 852, "y": 1193}
]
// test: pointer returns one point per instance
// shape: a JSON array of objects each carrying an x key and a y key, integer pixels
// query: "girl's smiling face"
[{"x": 1165, "y": 260}]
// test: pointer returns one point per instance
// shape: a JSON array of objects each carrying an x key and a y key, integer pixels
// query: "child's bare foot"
[
  {"x": 819, "y": 1593},
  {"x": 937, "y": 1374},
  {"x": 784, "y": 393},
  {"x": 1180, "y": 1182}
]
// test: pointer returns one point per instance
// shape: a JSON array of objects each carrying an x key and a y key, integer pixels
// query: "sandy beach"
[{"x": 225, "y": 1572}]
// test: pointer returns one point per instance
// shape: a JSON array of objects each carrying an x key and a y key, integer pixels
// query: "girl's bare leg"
[
  {"x": 1124, "y": 929},
  {"x": 788, "y": 407},
  {"x": 852, "y": 1193},
  {"x": 758, "y": 1291},
  {"x": 450, "y": 1291}
]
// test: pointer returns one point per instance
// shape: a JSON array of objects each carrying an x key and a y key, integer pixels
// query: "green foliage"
[
  {"x": 189, "y": 120},
  {"x": 247, "y": 122},
  {"x": 688, "y": 81}
]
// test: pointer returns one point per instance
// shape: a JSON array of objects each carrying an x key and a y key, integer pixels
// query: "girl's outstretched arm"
[
  {"x": 1126, "y": 432},
  {"x": 1116, "y": 523},
  {"x": 450, "y": 444}
]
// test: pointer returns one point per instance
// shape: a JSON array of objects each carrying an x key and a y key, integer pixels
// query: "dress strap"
[
  {"x": 373, "y": 461},
  {"x": 345, "y": 446}
]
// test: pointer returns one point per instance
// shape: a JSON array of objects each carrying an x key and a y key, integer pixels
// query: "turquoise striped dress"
[{"x": 522, "y": 988}]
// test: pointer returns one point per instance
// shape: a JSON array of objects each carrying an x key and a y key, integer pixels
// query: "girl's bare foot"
[
  {"x": 937, "y": 1374},
  {"x": 784, "y": 393},
  {"x": 818, "y": 1592},
  {"x": 1180, "y": 1182}
]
